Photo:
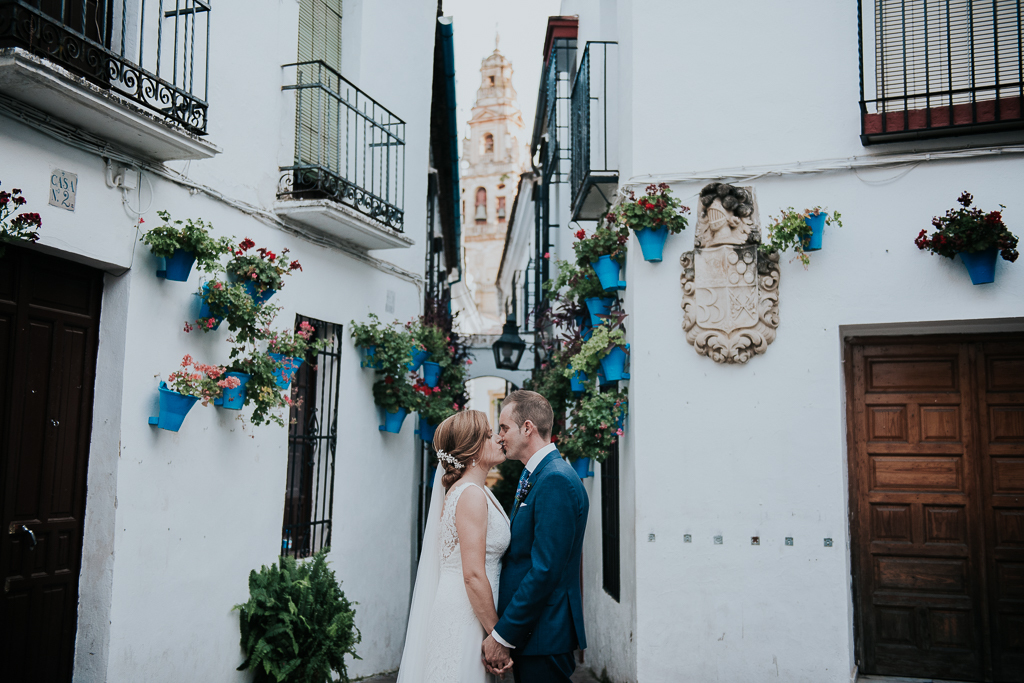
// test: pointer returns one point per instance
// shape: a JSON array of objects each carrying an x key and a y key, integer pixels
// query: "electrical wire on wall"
[{"x": 118, "y": 182}]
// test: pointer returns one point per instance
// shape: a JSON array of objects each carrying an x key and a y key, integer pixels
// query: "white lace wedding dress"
[{"x": 454, "y": 633}]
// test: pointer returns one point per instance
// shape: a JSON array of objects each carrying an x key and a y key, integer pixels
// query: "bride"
[{"x": 454, "y": 601}]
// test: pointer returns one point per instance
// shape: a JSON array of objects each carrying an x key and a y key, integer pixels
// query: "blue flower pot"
[
  {"x": 234, "y": 399},
  {"x": 582, "y": 467},
  {"x": 258, "y": 297},
  {"x": 576, "y": 381},
  {"x": 204, "y": 308},
  {"x": 613, "y": 364},
  {"x": 393, "y": 421},
  {"x": 418, "y": 356},
  {"x": 981, "y": 265},
  {"x": 369, "y": 358},
  {"x": 603, "y": 381},
  {"x": 652, "y": 242},
  {"x": 598, "y": 306},
  {"x": 173, "y": 409},
  {"x": 431, "y": 373},
  {"x": 607, "y": 271},
  {"x": 586, "y": 332},
  {"x": 284, "y": 373},
  {"x": 178, "y": 266},
  {"x": 817, "y": 226},
  {"x": 426, "y": 430}
]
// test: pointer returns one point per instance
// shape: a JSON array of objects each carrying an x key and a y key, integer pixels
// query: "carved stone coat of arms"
[{"x": 730, "y": 288}]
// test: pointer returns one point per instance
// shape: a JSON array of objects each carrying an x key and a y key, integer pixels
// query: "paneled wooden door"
[
  {"x": 49, "y": 320},
  {"x": 936, "y": 432}
]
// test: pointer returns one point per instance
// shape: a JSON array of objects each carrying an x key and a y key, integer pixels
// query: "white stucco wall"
[
  {"x": 760, "y": 449},
  {"x": 175, "y": 521}
]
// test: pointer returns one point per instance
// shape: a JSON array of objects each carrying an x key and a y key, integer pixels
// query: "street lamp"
[{"x": 509, "y": 347}]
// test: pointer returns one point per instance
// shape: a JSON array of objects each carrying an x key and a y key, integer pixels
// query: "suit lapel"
[{"x": 534, "y": 476}]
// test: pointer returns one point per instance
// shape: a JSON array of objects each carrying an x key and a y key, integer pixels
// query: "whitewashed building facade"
[
  {"x": 288, "y": 122},
  {"x": 847, "y": 502}
]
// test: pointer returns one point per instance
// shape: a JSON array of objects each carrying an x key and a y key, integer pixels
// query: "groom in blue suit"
[{"x": 540, "y": 604}]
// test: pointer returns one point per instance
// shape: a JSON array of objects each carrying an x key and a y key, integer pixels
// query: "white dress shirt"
[{"x": 531, "y": 465}]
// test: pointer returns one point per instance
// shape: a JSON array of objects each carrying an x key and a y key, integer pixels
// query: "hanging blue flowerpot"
[
  {"x": 234, "y": 398},
  {"x": 652, "y": 242},
  {"x": 579, "y": 320},
  {"x": 613, "y": 364},
  {"x": 582, "y": 467},
  {"x": 981, "y": 265},
  {"x": 603, "y": 381},
  {"x": 258, "y": 297},
  {"x": 284, "y": 372},
  {"x": 431, "y": 373},
  {"x": 607, "y": 270},
  {"x": 817, "y": 225},
  {"x": 173, "y": 409},
  {"x": 369, "y": 358},
  {"x": 586, "y": 332},
  {"x": 418, "y": 356},
  {"x": 426, "y": 430},
  {"x": 178, "y": 266},
  {"x": 576, "y": 381},
  {"x": 204, "y": 307},
  {"x": 392, "y": 422},
  {"x": 598, "y": 306}
]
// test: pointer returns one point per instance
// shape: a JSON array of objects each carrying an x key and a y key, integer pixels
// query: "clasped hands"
[{"x": 495, "y": 656}]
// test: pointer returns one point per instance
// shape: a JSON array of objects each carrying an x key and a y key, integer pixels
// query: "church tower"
[{"x": 494, "y": 155}]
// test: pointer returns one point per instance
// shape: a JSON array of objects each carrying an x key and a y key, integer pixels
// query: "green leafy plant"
[
  {"x": 297, "y": 626},
  {"x": 431, "y": 339},
  {"x": 298, "y": 344},
  {"x": 970, "y": 230},
  {"x": 394, "y": 392},
  {"x": 23, "y": 226},
  {"x": 607, "y": 240},
  {"x": 205, "y": 382},
  {"x": 605, "y": 337},
  {"x": 549, "y": 381},
  {"x": 579, "y": 282},
  {"x": 261, "y": 391},
  {"x": 790, "y": 231},
  {"x": 434, "y": 404},
  {"x": 392, "y": 341},
  {"x": 655, "y": 208},
  {"x": 595, "y": 425},
  {"x": 262, "y": 267},
  {"x": 188, "y": 235}
]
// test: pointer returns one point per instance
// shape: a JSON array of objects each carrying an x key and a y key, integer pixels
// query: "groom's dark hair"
[{"x": 529, "y": 405}]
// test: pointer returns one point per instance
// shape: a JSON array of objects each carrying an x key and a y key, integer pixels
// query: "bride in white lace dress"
[{"x": 456, "y": 594}]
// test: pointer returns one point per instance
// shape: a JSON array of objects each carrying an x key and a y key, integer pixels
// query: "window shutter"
[{"x": 317, "y": 134}]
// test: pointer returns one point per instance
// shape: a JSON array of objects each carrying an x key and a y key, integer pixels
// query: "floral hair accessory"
[{"x": 450, "y": 459}]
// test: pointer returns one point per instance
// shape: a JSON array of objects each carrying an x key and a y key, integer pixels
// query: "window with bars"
[
  {"x": 610, "y": 522},
  {"x": 940, "y": 67},
  {"x": 312, "y": 446}
]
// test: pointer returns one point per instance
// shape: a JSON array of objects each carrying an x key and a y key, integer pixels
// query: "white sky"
[{"x": 522, "y": 24}]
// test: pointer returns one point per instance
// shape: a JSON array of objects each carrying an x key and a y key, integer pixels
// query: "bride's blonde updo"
[{"x": 461, "y": 436}]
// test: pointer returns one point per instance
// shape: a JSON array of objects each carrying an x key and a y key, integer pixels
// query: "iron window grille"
[
  {"x": 312, "y": 446},
  {"x": 553, "y": 105},
  {"x": 153, "y": 53},
  {"x": 594, "y": 173},
  {"x": 940, "y": 67},
  {"x": 348, "y": 147},
  {"x": 610, "y": 523}
]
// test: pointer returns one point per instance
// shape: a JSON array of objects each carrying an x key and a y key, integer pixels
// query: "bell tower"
[{"x": 494, "y": 155}]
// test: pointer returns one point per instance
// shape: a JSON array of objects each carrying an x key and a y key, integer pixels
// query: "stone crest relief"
[{"x": 730, "y": 288}]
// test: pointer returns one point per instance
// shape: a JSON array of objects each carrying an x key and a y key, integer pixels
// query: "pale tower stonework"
[{"x": 494, "y": 155}]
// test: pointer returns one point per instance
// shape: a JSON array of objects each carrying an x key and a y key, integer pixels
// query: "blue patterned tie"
[{"x": 521, "y": 489}]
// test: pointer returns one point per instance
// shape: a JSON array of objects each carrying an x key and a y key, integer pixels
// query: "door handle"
[{"x": 16, "y": 528}]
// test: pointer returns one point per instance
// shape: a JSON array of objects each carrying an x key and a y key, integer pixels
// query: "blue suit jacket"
[{"x": 540, "y": 604}]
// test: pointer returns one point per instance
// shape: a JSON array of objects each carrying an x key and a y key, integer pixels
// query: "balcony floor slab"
[
  {"x": 51, "y": 89},
  {"x": 339, "y": 220}
]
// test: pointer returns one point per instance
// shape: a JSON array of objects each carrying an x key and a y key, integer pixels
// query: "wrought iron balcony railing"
[
  {"x": 553, "y": 108},
  {"x": 940, "y": 67},
  {"x": 348, "y": 148},
  {"x": 594, "y": 175},
  {"x": 152, "y": 52}
]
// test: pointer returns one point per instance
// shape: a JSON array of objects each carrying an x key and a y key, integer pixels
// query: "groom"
[{"x": 540, "y": 604}]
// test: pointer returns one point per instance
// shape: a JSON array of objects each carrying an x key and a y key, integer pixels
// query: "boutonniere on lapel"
[{"x": 526, "y": 491}]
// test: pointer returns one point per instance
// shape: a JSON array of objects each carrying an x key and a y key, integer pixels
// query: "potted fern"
[
  {"x": 297, "y": 626},
  {"x": 183, "y": 243},
  {"x": 651, "y": 217},
  {"x": 975, "y": 235}
]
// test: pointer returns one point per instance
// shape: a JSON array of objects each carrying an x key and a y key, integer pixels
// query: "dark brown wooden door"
[
  {"x": 937, "y": 476},
  {"x": 49, "y": 319}
]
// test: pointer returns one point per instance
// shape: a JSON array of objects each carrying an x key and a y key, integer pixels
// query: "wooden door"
[
  {"x": 936, "y": 431},
  {"x": 49, "y": 319}
]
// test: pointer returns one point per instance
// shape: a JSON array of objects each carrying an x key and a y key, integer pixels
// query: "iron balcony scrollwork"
[{"x": 123, "y": 47}]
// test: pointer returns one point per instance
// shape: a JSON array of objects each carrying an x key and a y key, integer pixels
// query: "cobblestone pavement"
[{"x": 582, "y": 675}]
